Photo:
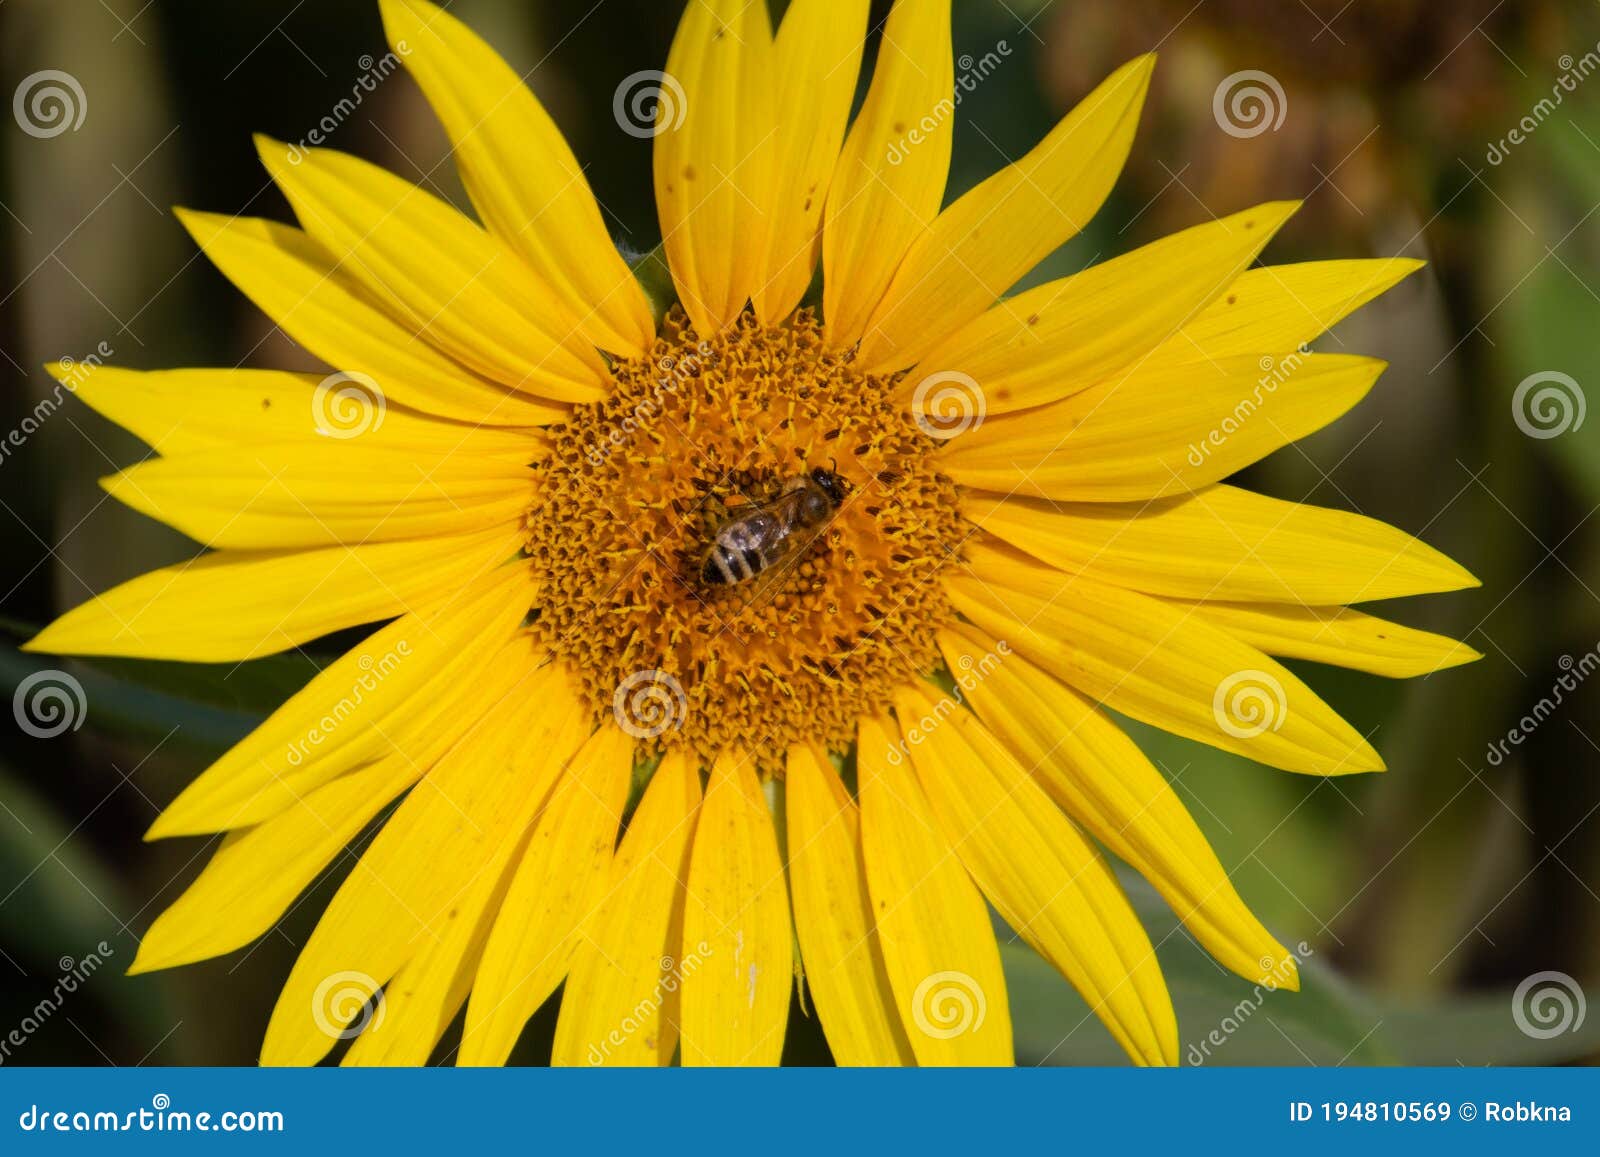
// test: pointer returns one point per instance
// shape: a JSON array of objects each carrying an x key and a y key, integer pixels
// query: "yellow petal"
[
  {"x": 381, "y": 696},
  {"x": 1281, "y": 307},
  {"x": 994, "y": 234},
  {"x": 1046, "y": 881},
  {"x": 816, "y": 62},
  {"x": 191, "y": 411},
  {"x": 736, "y": 920},
  {"x": 621, "y": 1000},
  {"x": 427, "y": 992},
  {"x": 557, "y": 887},
  {"x": 434, "y": 269},
  {"x": 1335, "y": 635},
  {"x": 293, "y": 280},
  {"x": 938, "y": 944},
  {"x": 527, "y": 186},
  {"x": 232, "y": 605},
  {"x": 1222, "y": 543},
  {"x": 1160, "y": 430},
  {"x": 426, "y": 859},
  {"x": 889, "y": 182},
  {"x": 1099, "y": 777},
  {"x": 288, "y": 496},
  {"x": 844, "y": 969},
  {"x": 1068, "y": 335},
  {"x": 430, "y": 988},
  {"x": 1145, "y": 658},
  {"x": 713, "y": 156},
  {"x": 256, "y": 873}
]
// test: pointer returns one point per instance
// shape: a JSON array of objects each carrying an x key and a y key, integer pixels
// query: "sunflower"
[{"x": 588, "y": 764}]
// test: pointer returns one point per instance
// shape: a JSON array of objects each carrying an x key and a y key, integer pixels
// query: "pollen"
[{"x": 634, "y": 490}]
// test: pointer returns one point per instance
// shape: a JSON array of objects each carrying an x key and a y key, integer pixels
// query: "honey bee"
[{"x": 758, "y": 537}]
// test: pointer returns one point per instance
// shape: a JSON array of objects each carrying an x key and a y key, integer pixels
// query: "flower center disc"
[{"x": 634, "y": 490}]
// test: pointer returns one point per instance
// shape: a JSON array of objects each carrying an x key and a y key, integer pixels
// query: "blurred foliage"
[
  {"x": 1224, "y": 1021},
  {"x": 1425, "y": 894}
]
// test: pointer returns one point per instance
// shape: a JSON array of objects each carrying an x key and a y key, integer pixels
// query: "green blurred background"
[{"x": 1425, "y": 896}]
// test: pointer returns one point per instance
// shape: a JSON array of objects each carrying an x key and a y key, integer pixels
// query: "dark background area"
[{"x": 1426, "y": 894}]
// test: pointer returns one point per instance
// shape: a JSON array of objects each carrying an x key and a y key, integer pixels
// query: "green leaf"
[
  {"x": 123, "y": 708},
  {"x": 1225, "y": 1020},
  {"x": 1222, "y": 1019},
  {"x": 256, "y": 688},
  {"x": 655, "y": 276},
  {"x": 1484, "y": 1029}
]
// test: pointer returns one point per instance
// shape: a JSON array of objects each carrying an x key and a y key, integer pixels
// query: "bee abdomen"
[{"x": 727, "y": 566}]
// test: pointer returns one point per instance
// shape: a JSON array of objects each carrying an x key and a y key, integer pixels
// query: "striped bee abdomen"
[
  {"x": 758, "y": 538},
  {"x": 740, "y": 552}
]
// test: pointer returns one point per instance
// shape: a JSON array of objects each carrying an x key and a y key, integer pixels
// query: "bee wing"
[{"x": 766, "y": 584}]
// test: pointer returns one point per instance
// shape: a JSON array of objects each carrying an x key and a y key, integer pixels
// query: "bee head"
[{"x": 830, "y": 484}]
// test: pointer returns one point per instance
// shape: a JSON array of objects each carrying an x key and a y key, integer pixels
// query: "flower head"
[{"x": 769, "y": 634}]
